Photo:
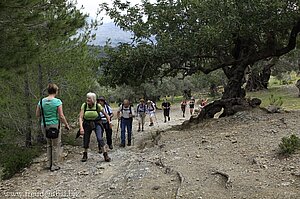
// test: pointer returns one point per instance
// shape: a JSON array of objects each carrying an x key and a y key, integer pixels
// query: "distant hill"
[{"x": 111, "y": 31}]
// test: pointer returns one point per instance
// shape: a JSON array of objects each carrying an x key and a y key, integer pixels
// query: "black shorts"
[{"x": 166, "y": 112}]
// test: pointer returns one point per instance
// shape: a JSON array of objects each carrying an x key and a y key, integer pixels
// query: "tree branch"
[{"x": 279, "y": 52}]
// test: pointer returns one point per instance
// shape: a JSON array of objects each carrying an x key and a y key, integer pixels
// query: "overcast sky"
[{"x": 91, "y": 6}]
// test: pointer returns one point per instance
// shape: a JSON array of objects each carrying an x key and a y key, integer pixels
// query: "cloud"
[{"x": 91, "y": 7}]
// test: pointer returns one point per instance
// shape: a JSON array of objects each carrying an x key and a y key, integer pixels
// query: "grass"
[{"x": 288, "y": 93}]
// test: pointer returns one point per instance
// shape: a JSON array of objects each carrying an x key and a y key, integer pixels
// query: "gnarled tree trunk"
[
  {"x": 233, "y": 99},
  {"x": 259, "y": 80}
]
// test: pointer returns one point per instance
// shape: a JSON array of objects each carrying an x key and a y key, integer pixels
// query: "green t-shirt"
[
  {"x": 91, "y": 113},
  {"x": 50, "y": 110}
]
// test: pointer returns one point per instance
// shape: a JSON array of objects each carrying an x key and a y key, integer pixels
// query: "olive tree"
[{"x": 192, "y": 36}]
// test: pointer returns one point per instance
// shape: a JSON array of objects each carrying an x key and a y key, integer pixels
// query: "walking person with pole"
[
  {"x": 51, "y": 111},
  {"x": 89, "y": 120},
  {"x": 107, "y": 109},
  {"x": 125, "y": 114},
  {"x": 151, "y": 111},
  {"x": 141, "y": 114}
]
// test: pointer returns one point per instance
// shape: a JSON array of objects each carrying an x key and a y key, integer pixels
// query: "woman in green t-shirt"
[{"x": 53, "y": 114}]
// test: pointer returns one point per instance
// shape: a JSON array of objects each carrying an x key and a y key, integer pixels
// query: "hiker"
[
  {"x": 183, "y": 106},
  {"x": 125, "y": 114},
  {"x": 166, "y": 108},
  {"x": 141, "y": 114},
  {"x": 192, "y": 105},
  {"x": 90, "y": 120},
  {"x": 108, "y": 131},
  {"x": 51, "y": 112},
  {"x": 151, "y": 111},
  {"x": 203, "y": 103}
]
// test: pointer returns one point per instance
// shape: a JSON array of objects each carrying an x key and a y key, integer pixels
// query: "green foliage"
[
  {"x": 40, "y": 33},
  {"x": 289, "y": 145},
  {"x": 69, "y": 139},
  {"x": 192, "y": 36},
  {"x": 275, "y": 101},
  {"x": 14, "y": 158}
]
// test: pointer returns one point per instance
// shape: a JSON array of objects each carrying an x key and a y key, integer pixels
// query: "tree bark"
[
  {"x": 259, "y": 80},
  {"x": 28, "y": 127},
  {"x": 40, "y": 136},
  {"x": 233, "y": 99},
  {"x": 235, "y": 76}
]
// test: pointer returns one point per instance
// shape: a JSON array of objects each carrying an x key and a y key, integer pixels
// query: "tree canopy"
[
  {"x": 205, "y": 36},
  {"x": 41, "y": 42}
]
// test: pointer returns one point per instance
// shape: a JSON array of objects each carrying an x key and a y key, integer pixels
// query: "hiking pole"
[
  {"x": 117, "y": 132},
  {"x": 51, "y": 162},
  {"x": 156, "y": 120},
  {"x": 132, "y": 137}
]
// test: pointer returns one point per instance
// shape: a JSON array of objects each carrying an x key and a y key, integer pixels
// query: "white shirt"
[
  {"x": 108, "y": 110},
  {"x": 126, "y": 111}
]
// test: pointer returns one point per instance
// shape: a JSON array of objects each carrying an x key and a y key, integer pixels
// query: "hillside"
[
  {"x": 234, "y": 157},
  {"x": 112, "y": 32}
]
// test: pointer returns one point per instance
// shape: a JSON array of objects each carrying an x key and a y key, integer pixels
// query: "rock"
[
  {"x": 84, "y": 172},
  {"x": 285, "y": 183},
  {"x": 112, "y": 187},
  {"x": 156, "y": 187}
]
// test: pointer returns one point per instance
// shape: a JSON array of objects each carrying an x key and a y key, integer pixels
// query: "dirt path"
[
  {"x": 96, "y": 178},
  {"x": 234, "y": 157}
]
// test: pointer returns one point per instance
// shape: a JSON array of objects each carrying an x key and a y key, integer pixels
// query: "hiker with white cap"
[
  {"x": 151, "y": 111},
  {"x": 141, "y": 114}
]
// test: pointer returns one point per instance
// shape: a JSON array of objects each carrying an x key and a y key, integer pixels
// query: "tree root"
[
  {"x": 181, "y": 179},
  {"x": 168, "y": 170},
  {"x": 228, "y": 183}
]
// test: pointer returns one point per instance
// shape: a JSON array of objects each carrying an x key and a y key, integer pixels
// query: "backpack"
[
  {"x": 97, "y": 108},
  {"x": 122, "y": 108},
  {"x": 151, "y": 105},
  {"x": 138, "y": 108},
  {"x": 108, "y": 111}
]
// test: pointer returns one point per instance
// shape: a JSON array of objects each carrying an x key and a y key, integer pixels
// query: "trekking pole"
[
  {"x": 117, "y": 132},
  {"x": 50, "y": 153},
  {"x": 132, "y": 137}
]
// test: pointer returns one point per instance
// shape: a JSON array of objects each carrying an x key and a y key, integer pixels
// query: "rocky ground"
[{"x": 233, "y": 157}]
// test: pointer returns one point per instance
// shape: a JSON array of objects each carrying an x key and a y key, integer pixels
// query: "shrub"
[
  {"x": 69, "y": 139},
  {"x": 275, "y": 101},
  {"x": 289, "y": 145},
  {"x": 16, "y": 158}
]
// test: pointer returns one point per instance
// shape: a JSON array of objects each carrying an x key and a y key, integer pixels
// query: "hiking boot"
[
  {"x": 138, "y": 130},
  {"x": 169, "y": 118},
  {"x": 54, "y": 168},
  {"x": 110, "y": 146},
  {"x": 100, "y": 151},
  {"x": 151, "y": 124},
  {"x": 142, "y": 130},
  {"x": 129, "y": 143},
  {"x": 122, "y": 145},
  {"x": 84, "y": 157},
  {"x": 106, "y": 157},
  {"x": 165, "y": 121}
]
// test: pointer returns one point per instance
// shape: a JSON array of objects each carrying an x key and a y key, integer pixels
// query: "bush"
[
  {"x": 15, "y": 158},
  {"x": 289, "y": 145},
  {"x": 275, "y": 101},
  {"x": 69, "y": 139}
]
